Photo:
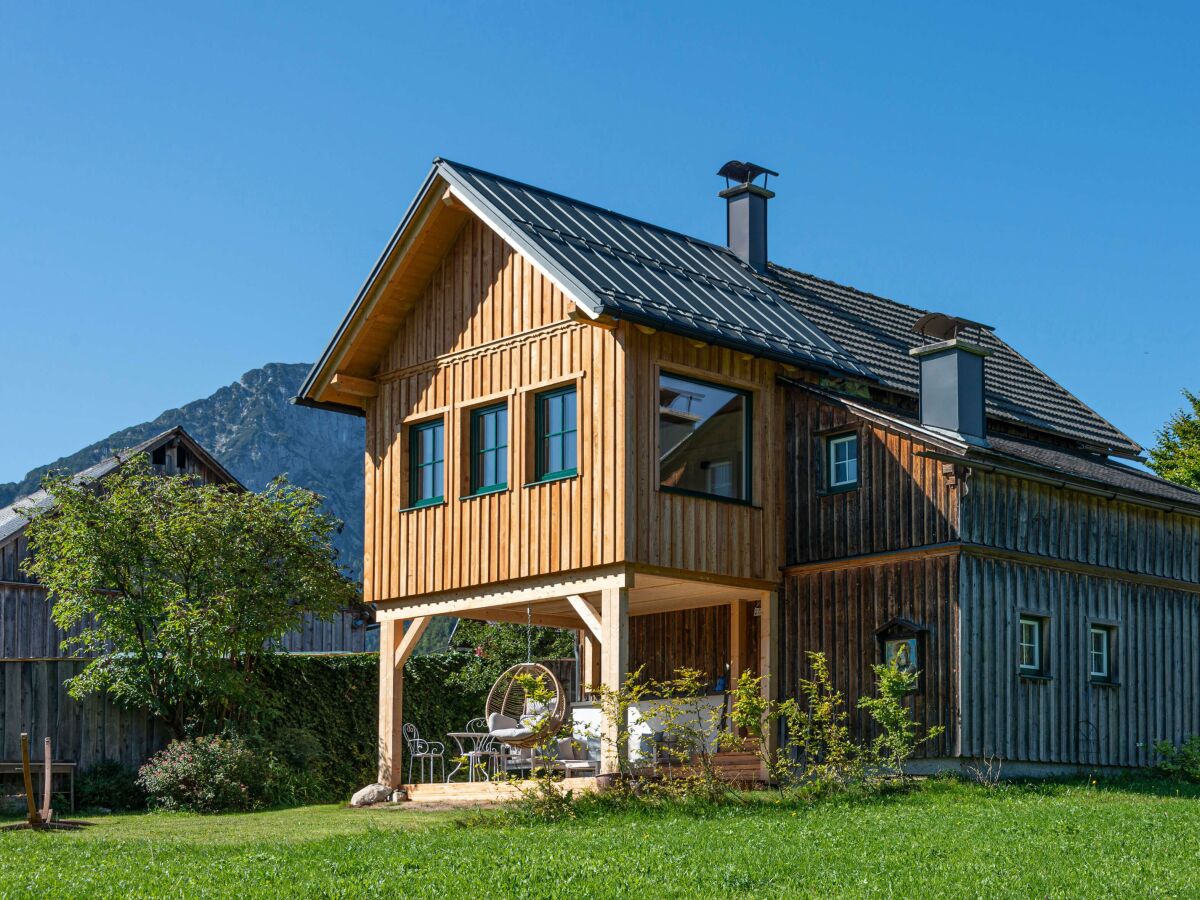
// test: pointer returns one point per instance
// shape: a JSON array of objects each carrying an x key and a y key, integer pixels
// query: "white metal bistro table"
[{"x": 477, "y": 739}]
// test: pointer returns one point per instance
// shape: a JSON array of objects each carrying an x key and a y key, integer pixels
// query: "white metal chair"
[
  {"x": 484, "y": 757},
  {"x": 423, "y": 752}
]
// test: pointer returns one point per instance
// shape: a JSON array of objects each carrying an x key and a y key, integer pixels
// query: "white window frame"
[
  {"x": 850, "y": 462},
  {"x": 1038, "y": 651},
  {"x": 1105, "y": 634}
]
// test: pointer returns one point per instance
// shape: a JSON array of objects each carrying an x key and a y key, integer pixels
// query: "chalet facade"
[{"x": 696, "y": 457}]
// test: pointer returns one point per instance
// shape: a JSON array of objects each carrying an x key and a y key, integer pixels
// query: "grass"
[{"x": 1049, "y": 840}]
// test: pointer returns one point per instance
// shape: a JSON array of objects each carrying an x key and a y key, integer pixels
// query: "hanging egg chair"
[{"x": 519, "y": 721}]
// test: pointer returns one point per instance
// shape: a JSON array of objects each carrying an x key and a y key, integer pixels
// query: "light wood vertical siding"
[
  {"x": 490, "y": 326},
  {"x": 693, "y": 533},
  {"x": 1067, "y": 718},
  {"x": 903, "y": 500},
  {"x": 839, "y": 613}
]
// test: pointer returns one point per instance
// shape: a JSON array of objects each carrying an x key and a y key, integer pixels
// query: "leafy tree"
[
  {"x": 499, "y": 645},
  {"x": 177, "y": 589},
  {"x": 1176, "y": 456}
]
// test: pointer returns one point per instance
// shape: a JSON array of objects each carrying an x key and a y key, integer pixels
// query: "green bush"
[
  {"x": 205, "y": 774},
  {"x": 109, "y": 785},
  {"x": 1182, "y": 762}
]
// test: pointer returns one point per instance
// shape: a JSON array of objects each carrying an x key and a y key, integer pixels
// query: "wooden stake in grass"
[{"x": 42, "y": 820}]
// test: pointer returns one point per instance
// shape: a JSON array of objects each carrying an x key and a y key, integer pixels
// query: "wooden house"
[
  {"x": 33, "y": 665},
  {"x": 695, "y": 456}
]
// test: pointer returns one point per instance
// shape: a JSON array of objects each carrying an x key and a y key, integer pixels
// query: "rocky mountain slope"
[{"x": 257, "y": 434}]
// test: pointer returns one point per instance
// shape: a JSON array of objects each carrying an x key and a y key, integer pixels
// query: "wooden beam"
[
  {"x": 587, "y": 613},
  {"x": 352, "y": 384},
  {"x": 614, "y": 662},
  {"x": 412, "y": 635},
  {"x": 487, "y": 596},
  {"x": 645, "y": 329},
  {"x": 589, "y": 662},
  {"x": 518, "y": 617},
  {"x": 605, "y": 321},
  {"x": 451, "y": 201}
]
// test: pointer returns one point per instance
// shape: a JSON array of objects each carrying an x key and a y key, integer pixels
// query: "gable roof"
[
  {"x": 611, "y": 264},
  {"x": 607, "y": 264},
  {"x": 620, "y": 266},
  {"x": 13, "y": 520},
  {"x": 879, "y": 332}
]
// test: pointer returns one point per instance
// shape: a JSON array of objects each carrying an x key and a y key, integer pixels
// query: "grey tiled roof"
[
  {"x": 879, "y": 333},
  {"x": 1094, "y": 467},
  {"x": 634, "y": 270}
]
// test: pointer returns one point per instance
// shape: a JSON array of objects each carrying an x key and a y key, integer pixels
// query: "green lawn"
[{"x": 1064, "y": 839}]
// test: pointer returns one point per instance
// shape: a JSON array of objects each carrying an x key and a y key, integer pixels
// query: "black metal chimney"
[
  {"x": 746, "y": 210},
  {"x": 952, "y": 397}
]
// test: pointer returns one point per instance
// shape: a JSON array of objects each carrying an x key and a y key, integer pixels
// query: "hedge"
[{"x": 322, "y": 712}]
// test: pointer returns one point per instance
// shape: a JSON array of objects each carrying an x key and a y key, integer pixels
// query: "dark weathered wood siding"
[
  {"x": 1077, "y": 559},
  {"x": 661, "y": 643},
  {"x": 1017, "y": 514},
  {"x": 903, "y": 500},
  {"x": 34, "y": 700},
  {"x": 839, "y": 613},
  {"x": 28, "y": 632}
]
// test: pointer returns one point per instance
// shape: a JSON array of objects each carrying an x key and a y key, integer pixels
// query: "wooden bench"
[{"x": 56, "y": 768}]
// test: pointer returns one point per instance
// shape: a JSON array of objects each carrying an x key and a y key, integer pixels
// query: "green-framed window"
[
  {"x": 427, "y": 463},
  {"x": 555, "y": 426},
  {"x": 489, "y": 449}
]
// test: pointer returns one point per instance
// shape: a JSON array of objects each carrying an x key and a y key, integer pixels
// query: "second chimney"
[
  {"x": 952, "y": 388},
  {"x": 746, "y": 211}
]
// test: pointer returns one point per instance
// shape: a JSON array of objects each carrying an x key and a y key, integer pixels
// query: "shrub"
[
  {"x": 110, "y": 785},
  {"x": 205, "y": 774},
  {"x": 1182, "y": 762}
]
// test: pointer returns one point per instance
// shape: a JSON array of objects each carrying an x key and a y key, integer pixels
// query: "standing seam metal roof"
[{"x": 649, "y": 274}]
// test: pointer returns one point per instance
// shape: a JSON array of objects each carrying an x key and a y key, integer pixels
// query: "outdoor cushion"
[
  {"x": 499, "y": 720},
  {"x": 511, "y": 734},
  {"x": 566, "y": 749}
]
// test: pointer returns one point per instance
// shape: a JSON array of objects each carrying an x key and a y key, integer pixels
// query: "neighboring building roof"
[
  {"x": 623, "y": 267},
  {"x": 12, "y": 520},
  {"x": 1091, "y": 469},
  {"x": 879, "y": 332}
]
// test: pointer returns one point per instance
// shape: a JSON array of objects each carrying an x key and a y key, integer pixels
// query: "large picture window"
[
  {"x": 556, "y": 424},
  {"x": 703, "y": 438},
  {"x": 489, "y": 449},
  {"x": 427, "y": 461}
]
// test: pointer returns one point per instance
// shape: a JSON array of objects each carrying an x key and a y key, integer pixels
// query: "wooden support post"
[
  {"x": 737, "y": 641},
  {"x": 589, "y": 661},
  {"x": 768, "y": 663},
  {"x": 47, "y": 776},
  {"x": 395, "y": 647},
  {"x": 587, "y": 614},
  {"x": 614, "y": 661},
  {"x": 391, "y": 704}
]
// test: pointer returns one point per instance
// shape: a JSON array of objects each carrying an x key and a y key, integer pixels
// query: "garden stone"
[{"x": 372, "y": 793}]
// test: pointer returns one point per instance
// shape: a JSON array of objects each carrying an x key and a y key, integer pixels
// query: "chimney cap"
[
  {"x": 744, "y": 172},
  {"x": 942, "y": 327}
]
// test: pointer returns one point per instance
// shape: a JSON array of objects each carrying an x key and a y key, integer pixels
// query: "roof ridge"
[{"x": 595, "y": 206}]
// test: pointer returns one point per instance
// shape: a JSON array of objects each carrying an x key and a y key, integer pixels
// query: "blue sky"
[{"x": 188, "y": 193}]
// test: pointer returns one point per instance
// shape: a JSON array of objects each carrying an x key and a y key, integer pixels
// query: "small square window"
[
  {"x": 1032, "y": 646},
  {"x": 841, "y": 462},
  {"x": 1101, "y": 641}
]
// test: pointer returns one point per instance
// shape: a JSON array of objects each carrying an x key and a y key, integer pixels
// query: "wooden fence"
[{"x": 34, "y": 700}]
